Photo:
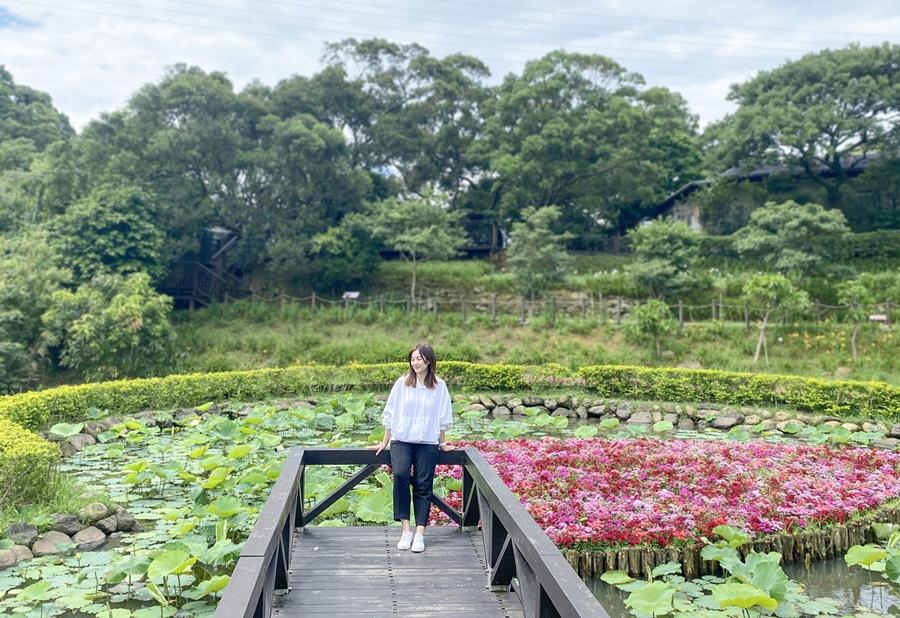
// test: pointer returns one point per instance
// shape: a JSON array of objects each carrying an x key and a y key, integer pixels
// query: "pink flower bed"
[{"x": 606, "y": 492}]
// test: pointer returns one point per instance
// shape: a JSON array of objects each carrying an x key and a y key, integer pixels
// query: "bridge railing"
[{"x": 518, "y": 553}]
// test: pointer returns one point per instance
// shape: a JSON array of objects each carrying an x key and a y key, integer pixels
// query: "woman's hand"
[
  {"x": 380, "y": 447},
  {"x": 447, "y": 447}
]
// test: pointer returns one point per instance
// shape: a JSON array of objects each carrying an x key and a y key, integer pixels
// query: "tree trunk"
[
  {"x": 412, "y": 287},
  {"x": 658, "y": 350},
  {"x": 762, "y": 337},
  {"x": 853, "y": 341}
]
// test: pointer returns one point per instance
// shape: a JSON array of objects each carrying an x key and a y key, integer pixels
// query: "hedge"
[
  {"x": 832, "y": 397},
  {"x": 37, "y": 409},
  {"x": 27, "y": 464}
]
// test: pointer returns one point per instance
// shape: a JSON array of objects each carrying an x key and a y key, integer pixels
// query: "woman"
[{"x": 415, "y": 418}]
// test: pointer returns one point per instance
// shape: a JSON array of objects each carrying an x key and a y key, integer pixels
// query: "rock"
[
  {"x": 814, "y": 419},
  {"x": 671, "y": 417},
  {"x": 564, "y": 400},
  {"x": 89, "y": 538},
  {"x": 888, "y": 443},
  {"x": 894, "y": 432},
  {"x": 644, "y": 417},
  {"x": 560, "y": 411},
  {"x": 183, "y": 413},
  {"x": 94, "y": 428},
  {"x": 686, "y": 423},
  {"x": 66, "y": 523},
  {"x": 657, "y": 416},
  {"x": 125, "y": 521},
  {"x": 48, "y": 543},
  {"x": 689, "y": 410},
  {"x": 81, "y": 440},
  {"x": 767, "y": 424},
  {"x": 727, "y": 420},
  {"x": 110, "y": 421},
  {"x": 66, "y": 449},
  {"x": 7, "y": 558},
  {"x": 499, "y": 400},
  {"x": 842, "y": 373},
  {"x": 93, "y": 512},
  {"x": 667, "y": 354},
  {"x": 753, "y": 419},
  {"x": 550, "y": 404},
  {"x": 472, "y": 407},
  {"x": 21, "y": 533},
  {"x": 486, "y": 401},
  {"x": 850, "y": 426},
  {"x": 781, "y": 415},
  {"x": 148, "y": 417},
  {"x": 513, "y": 402},
  {"x": 520, "y": 410},
  {"x": 796, "y": 423},
  {"x": 601, "y": 410},
  {"x": 623, "y": 411},
  {"x": 501, "y": 411},
  {"x": 870, "y": 427},
  {"x": 108, "y": 524},
  {"x": 832, "y": 424},
  {"x": 581, "y": 412},
  {"x": 22, "y": 553}
]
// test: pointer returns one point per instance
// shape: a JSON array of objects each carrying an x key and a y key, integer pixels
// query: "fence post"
[
  {"x": 619, "y": 311},
  {"x": 887, "y": 311},
  {"x": 720, "y": 307},
  {"x": 603, "y": 313},
  {"x": 712, "y": 310},
  {"x": 680, "y": 315},
  {"x": 381, "y": 304},
  {"x": 313, "y": 302},
  {"x": 583, "y": 308},
  {"x": 464, "y": 311},
  {"x": 434, "y": 306},
  {"x": 494, "y": 309},
  {"x": 522, "y": 311},
  {"x": 552, "y": 311},
  {"x": 816, "y": 311},
  {"x": 747, "y": 315}
]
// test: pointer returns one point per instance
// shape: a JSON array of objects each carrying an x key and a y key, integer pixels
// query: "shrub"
[{"x": 27, "y": 464}]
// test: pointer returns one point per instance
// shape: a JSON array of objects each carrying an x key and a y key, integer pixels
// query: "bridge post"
[{"x": 470, "y": 512}]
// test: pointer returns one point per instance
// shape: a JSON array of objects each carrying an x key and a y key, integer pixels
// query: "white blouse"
[{"x": 417, "y": 413}]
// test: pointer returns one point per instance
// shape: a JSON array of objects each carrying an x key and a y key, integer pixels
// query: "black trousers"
[{"x": 416, "y": 462}]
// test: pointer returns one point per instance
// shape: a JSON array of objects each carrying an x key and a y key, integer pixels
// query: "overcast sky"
[{"x": 91, "y": 55}]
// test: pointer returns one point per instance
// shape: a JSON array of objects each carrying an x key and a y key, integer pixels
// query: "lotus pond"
[{"x": 197, "y": 485}]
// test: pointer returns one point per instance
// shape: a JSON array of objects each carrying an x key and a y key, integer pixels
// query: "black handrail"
[{"x": 518, "y": 552}]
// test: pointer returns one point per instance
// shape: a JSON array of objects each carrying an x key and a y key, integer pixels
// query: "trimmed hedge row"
[
  {"x": 870, "y": 399},
  {"x": 27, "y": 464}
]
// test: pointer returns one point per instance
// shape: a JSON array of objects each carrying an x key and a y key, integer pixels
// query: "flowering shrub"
[{"x": 601, "y": 492}]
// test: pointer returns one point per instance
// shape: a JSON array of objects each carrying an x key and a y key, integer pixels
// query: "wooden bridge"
[{"x": 497, "y": 562}]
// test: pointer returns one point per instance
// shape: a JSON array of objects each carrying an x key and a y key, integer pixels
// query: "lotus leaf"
[
  {"x": 742, "y": 595},
  {"x": 240, "y": 451},
  {"x": 65, "y": 430},
  {"x": 616, "y": 578},
  {"x": 225, "y": 507},
  {"x": 667, "y": 568},
  {"x": 864, "y": 555},
  {"x": 654, "y": 598},
  {"x": 663, "y": 426}
]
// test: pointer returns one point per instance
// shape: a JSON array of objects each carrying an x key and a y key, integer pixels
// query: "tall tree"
[
  {"x": 579, "y": 131},
  {"x": 772, "y": 292},
  {"x": 792, "y": 238},
  {"x": 667, "y": 252},
  {"x": 537, "y": 256},
  {"x": 28, "y": 117},
  {"x": 819, "y": 115}
]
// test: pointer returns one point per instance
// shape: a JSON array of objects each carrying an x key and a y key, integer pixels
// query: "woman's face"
[{"x": 418, "y": 363}]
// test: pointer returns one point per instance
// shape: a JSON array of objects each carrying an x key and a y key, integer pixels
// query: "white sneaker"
[
  {"x": 418, "y": 544},
  {"x": 406, "y": 540}
]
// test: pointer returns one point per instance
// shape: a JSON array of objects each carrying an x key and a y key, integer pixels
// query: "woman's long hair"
[{"x": 428, "y": 356}]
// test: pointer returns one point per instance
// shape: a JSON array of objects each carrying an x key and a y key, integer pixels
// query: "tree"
[
  {"x": 419, "y": 228},
  {"x": 773, "y": 291},
  {"x": 791, "y": 237},
  {"x": 857, "y": 297},
  {"x": 27, "y": 117},
  {"x": 651, "y": 320},
  {"x": 111, "y": 231},
  {"x": 818, "y": 115},
  {"x": 667, "y": 252},
  {"x": 579, "y": 132},
  {"x": 536, "y": 255},
  {"x": 111, "y": 326}
]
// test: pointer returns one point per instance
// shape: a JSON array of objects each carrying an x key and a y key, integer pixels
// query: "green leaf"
[
  {"x": 616, "y": 578},
  {"x": 586, "y": 431},
  {"x": 225, "y": 507},
  {"x": 172, "y": 562},
  {"x": 667, "y": 568},
  {"x": 216, "y": 477},
  {"x": 742, "y": 595},
  {"x": 240, "y": 451},
  {"x": 864, "y": 555},
  {"x": 377, "y": 506},
  {"x": 654, "y": 598},
  {"x": 39, "y": 591},
  {"x": 735, "y": 537},
  {"x": 663, "y": 426},
  {"x": 884, "y": 531},
  {"x": 66, "y": 430},
  {"x": 203, "y": 407},
  {"x": 608, "y": 424},
  {"x": 332, "y": 523},
  {"x": 892, "y": 568},
  {"x": 6, "y": 543}
]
